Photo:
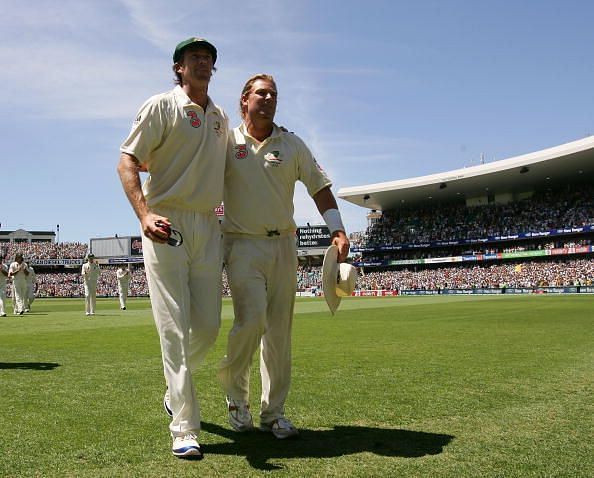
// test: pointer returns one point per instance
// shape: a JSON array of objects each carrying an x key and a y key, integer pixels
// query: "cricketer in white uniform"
[
  {"x": 90, "y": 273},
  {"x": 31, "y": 279},
  {"x": 180, "y": 138},
  {"x": 18, "y": 270},
  {"x": 3, "y": 278},
  {"x": 123, "y": 276},
  {"x": 263, "y": 164}
]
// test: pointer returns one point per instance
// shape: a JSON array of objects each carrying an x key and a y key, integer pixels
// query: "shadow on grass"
[
  {"x": 28, "y": 365},
  {"x": 260, "y": 447},
  {"x": 99, "y": 316}
]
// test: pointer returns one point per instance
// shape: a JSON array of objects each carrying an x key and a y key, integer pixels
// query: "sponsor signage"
[
  {"x": 375, "y": 293},
  {"x": 441, "y": 260},
  {"x": 404, "y": 262},
  {"x": 519, "y": 254},
  {"x": 479, "y": 291},
  {"x": 368, "y": 264},
  {"x": 57, "y": 262},
  {"x": 125, "y": 260},
  {"x": 313, "y": 236},
  {"x": 478, "y": 257},
  {"x": 419, "y": 292},
  {"x": 135, "y": 246}
]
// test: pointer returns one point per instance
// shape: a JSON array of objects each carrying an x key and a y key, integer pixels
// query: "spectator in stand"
[{"x": 542, "y": 212}]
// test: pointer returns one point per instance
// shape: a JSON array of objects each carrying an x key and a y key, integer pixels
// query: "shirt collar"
[
  {"x": 184, "y": 100},
  {"x": 276, "y": 131}
]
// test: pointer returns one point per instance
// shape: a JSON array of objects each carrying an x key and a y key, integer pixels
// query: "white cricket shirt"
[
  {"x": 90, "y": 272},
  {"x": 183, "y": 148},
  {"x": 260, "y": 181},
  {"x": 123, "y": 276},
  {"x": 18, "y": 271}
]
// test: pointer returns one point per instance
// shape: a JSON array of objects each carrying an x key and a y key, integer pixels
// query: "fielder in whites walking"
[
  {"x": 18, "y": 271},
  {"x": 31, "y": 280},
  {"x": 263, "y": 164},
  {"x": 123, "y": 275},
  {"x": 180, "y": 139},
  {"x": 90, "y": 273}
]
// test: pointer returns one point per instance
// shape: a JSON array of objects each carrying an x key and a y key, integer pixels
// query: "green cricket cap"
[{"x": 194, "y": 41}]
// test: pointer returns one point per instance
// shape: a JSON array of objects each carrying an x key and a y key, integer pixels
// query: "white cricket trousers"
[
  {"x": 2, "y": 298},
  {"x": 19, "y": 294},
  {"x": 90, "y": 296},
  {"x": 185, "y": 288},
  {"x": 262, "y": 274},
  {"x": 123, "y": 291}
]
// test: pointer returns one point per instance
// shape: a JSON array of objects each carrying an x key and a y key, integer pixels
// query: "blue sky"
[{"x": 379, "y": 90}]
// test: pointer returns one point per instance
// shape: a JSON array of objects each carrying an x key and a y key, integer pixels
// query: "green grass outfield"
[{"x": 487, "y": 386}]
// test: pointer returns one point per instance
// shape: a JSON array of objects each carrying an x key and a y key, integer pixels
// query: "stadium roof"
[
  {"x": 32, "y": 233},
  {"x": 567, "y": 163}
]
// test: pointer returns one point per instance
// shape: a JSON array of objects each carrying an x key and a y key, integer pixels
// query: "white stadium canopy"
[{"x": 567, "y": 163}]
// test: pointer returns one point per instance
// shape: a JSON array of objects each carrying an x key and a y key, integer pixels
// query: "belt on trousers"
[{"x": 269, "y": 234}]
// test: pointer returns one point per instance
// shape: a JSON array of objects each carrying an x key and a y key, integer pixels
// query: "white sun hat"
[{"x": 338, "y": 280}]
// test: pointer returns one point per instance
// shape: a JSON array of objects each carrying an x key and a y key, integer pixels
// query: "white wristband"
[{"x": 333, "y": 220}]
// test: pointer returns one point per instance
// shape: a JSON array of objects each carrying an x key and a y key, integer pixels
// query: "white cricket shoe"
[
  {"x": 240, "y": 417},
  {"x": 187, "y": 446},
  {"x": 281, "y": 428}
]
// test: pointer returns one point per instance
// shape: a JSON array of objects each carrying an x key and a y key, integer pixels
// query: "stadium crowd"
[
  {"x": 542, "y": 212},
  {"x": 70, "y": 284},
  {"x": 533, "y": 274},
  {"x": 45, "y": 250},
  {"x": 497, "y": 275}
]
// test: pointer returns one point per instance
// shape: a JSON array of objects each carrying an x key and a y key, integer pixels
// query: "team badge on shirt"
[
  {"x": 273, "y": 158},
  {"x": 194, "y": 120},
  {"x": 241, "y": 151}
]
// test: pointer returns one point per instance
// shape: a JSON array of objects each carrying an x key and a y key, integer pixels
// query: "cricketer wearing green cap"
[
  {"x": 180, "y": 138},
  {"x": 194, "y": 41}
]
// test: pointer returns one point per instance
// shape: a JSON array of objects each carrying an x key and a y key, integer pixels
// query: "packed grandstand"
[
  {"x": 524, "y": 225},
  {"x": 559, "y": 261},
  {"x": 526, "y": 274}
]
